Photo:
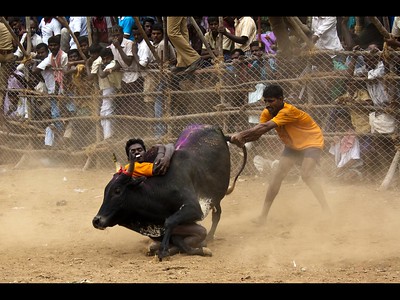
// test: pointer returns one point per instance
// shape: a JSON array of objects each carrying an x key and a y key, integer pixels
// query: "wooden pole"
[
  {"x": 303, "y": 26},
  {"x": 358, "y": 28},
  {"x": 200, "y": 33},
  {"x": 279, "y": 28},
  {"x": 167, "y": 55},
  {"x": 259, "y": 31},
  {"x": 28, "y": 49},
  {"x": 380, "y": 27},
  {"x": 146, "y": 38},
  {"x": 28, "y": 35},
  {"x": 89, "y": 29},
  {"x": 64, "y": 22},
  {"x": 389, "y": 176},
  {"x": 16, "y": 39},
  {"x": 167, "y": 110},
  {"x": 386, "y": 23},
  {"x": 220, "y": 39},
  {"x": 300, "y": 33}
]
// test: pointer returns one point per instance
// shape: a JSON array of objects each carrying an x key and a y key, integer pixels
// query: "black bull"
[{"x": 197, "y": 180}]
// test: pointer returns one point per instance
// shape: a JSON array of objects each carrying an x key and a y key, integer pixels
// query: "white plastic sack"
[
  {"x": 254, "y": 97},
  {"x": 381, "y": 123}
]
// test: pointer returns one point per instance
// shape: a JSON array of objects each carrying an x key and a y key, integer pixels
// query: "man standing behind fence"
[
  {"x": 6, "y": 62},
  {"x": 167, "y": 53},
  {"x": 109, "y": 75},
  {"x": 303, "y": 141},
  {"x": 188, "y": 60}
]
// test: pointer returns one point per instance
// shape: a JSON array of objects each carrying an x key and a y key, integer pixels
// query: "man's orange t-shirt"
[
  {"x": 141, "y": 169},
  {"x": 296, "y": 128}
]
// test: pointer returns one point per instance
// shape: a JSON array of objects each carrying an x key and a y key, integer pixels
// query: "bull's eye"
[{"x": 118, "y": 190}]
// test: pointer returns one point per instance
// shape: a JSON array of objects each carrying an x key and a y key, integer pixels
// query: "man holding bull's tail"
[{"x": 303, "y": 141}]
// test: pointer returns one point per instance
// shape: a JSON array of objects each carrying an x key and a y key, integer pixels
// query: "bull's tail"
[{"x": 244, "y": 149}]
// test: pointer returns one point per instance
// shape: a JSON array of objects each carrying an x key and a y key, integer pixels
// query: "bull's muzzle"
[{"x": 97, "y": 223}]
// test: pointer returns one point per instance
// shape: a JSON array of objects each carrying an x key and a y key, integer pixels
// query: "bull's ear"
[{"x": 137, "y": 180}]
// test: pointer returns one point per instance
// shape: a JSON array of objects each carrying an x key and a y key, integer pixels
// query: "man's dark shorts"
[{"x": 298, "y": 155}]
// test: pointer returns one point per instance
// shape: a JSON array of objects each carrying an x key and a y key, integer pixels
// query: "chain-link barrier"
[{"x": 353, "y": 96}]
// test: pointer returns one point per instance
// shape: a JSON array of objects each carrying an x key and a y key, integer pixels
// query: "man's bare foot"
[{"x": 261, "y": 220}]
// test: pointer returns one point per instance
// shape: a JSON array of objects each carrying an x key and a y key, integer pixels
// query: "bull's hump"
[{"x": 193, "y": 133}]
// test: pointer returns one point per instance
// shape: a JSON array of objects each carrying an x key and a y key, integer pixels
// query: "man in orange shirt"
[
  {"x": 153, "y": 162},
  {"x": 303, "y": 141},
  {"x": 148, "y": 163}
]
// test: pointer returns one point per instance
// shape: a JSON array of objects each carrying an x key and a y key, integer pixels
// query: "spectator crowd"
[{"x": 64, "y": 59}]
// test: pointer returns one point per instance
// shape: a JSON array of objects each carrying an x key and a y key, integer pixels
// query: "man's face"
[
  {"x": 54, "y": 48},
  {"x": 84, "y": 47},
  {"x": 148, "y": 27},
  {"x": 256, "y": 51},
  {"x": 73, "y": 56},
  {"x": 137, "y": 35},
  {"x": 136, "y": 153},
  {"x": 157, "y": 36},
  {"x": 213, "y": 26},
  {"x": 117, "y": 36},
  {"x": 106, "y": 59},
  {"x": 274, "y": 105},
  {"x": 42, "y": 53}
]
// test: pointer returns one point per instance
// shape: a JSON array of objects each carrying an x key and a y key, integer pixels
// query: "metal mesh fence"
[{"x": 352, "y": 107}]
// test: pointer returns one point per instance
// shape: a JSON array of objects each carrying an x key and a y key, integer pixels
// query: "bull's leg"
[
  {"x": 154, "y": 246},
  {"x": 164, "y": 247},
  {"x": 181, "y": 243},
  {"x": 187, "y": 213},
  {"x": 216, "y": 216},
  {"x": 190, "y": 238}
]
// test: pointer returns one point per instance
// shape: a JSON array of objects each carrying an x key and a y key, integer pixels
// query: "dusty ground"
[{"x": 47, "y": 236}]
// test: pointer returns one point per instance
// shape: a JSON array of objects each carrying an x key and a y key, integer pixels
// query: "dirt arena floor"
[{"x": 47, "y": 235}]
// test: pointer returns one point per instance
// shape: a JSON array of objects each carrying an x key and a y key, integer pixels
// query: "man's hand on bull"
[
  {"x": 238, "y": 140},
  {"x": 161, "y": 164}
]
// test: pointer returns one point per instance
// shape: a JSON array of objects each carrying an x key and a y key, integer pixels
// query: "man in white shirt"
[
  {"x": 49, "y": 26},
  {"x": 35, "y": 39},
  {"x": 78, "y": 26}
]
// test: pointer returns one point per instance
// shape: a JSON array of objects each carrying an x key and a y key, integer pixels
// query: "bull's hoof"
[
  {"x": 153, "y": 247},
  {"x": 163, "y": 254}
]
